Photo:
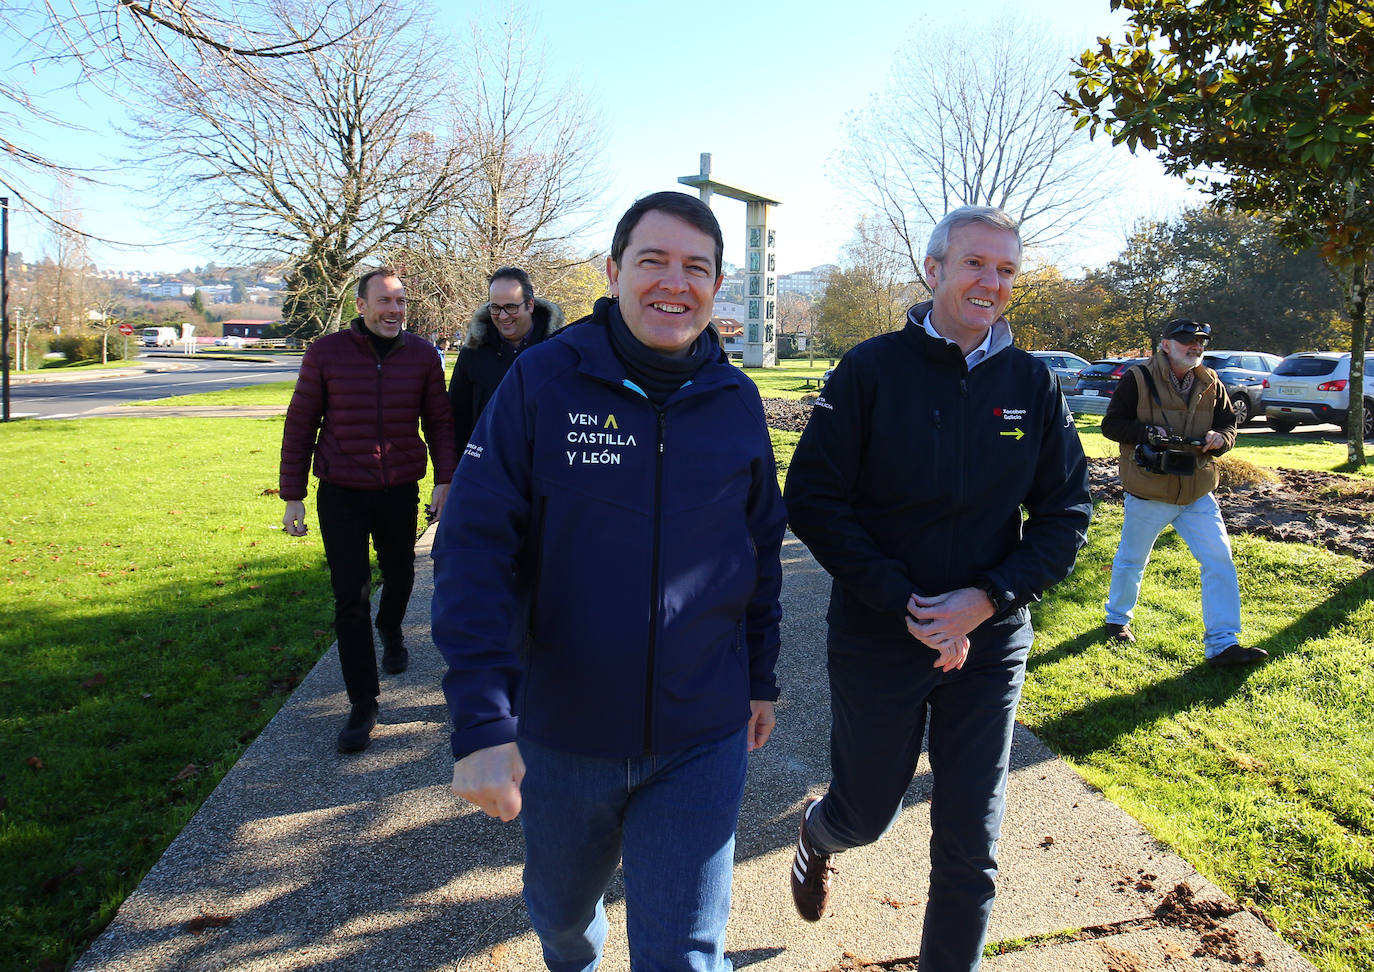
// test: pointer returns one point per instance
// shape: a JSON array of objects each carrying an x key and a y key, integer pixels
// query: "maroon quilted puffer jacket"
[{"x": 360, "y": 417}]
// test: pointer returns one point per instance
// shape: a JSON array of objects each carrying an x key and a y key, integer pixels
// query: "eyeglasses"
[{"x": 505, "y": 310}]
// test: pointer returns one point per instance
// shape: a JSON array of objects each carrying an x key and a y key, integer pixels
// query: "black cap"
[{"x": 1183, "y": 327}]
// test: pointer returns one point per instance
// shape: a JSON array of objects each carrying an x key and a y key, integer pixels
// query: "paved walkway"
[{"x": 305, "y": 859}]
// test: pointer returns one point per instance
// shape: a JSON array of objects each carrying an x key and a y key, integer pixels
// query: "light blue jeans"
[
  {"x": 1201, "y": 527},
  {"x": 673, "y": 820}
]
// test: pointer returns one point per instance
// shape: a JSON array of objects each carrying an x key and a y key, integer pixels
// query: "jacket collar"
[
  {"x": 915, "y": 329},
  {"x": 548, "y": 318},
  {"x": 591, "y": 340}
]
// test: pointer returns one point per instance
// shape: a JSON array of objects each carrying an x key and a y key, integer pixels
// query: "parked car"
[
  {"x": 1065, "y": 364},
  {"x": 232, "y": 341},
  {"x": 1099, "y": 379},
  {"x": 1243, "y": 374},
  {"x": 1314, "y": 386}
]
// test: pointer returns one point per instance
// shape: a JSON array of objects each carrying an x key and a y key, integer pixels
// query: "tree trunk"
[{"x": 1358, "y": 300}]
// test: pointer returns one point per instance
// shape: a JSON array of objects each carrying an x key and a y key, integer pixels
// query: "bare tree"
[
  {"x": 870, "y": 294},
  {"x": 972, "y": 118},
  {"x": 118, "y": 46},
  {"x": 341, "y": 164},
  {"x": 530, "y": 148},
  {"x": 58, "y": 295}
]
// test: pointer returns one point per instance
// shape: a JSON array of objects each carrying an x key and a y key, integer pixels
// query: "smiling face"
[
  {"x": 972, "y": 284},
  {"x": 1184, "y": 352},
  {"x": 666, "y": 281},
  {"x": 383, "y": 309},
  {"x": 506, "y": 293}
]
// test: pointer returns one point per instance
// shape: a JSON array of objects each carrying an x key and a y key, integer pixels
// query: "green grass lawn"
[
  {"x": 267, "y": 393},
  {"x": 156, "y": 616},
  {"x": 1263, "y": 779},
  {"x": 788, "y": 380}
]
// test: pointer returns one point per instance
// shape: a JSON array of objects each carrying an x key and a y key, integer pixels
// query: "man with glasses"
[
  {"x": 1172, "y": 417},
  {"x": 511, "y": 321}
]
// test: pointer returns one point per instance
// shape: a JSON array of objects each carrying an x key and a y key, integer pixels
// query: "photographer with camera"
[{"x": 1172, "y": 417}]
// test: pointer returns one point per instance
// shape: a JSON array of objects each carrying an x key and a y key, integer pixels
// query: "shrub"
[{"x": 84, "y": 345}]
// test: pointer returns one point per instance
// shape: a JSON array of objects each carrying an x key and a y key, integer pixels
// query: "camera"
[{"x": 1167, "y": 455}]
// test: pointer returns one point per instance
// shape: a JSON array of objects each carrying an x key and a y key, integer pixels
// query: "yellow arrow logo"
[
  {"x": 1016, "y": 434},
  {"x": 611, "y": 423}
]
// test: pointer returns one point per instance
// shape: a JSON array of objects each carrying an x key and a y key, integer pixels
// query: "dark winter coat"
[
  {"x": 360, "y": 416},
  {"x": 913, "y": 472},
  {"x": 484, "y": 360}
]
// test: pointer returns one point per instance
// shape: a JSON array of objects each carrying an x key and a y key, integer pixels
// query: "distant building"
[
  {"x": 166, "y": 288},
  {"x": 731, "y": 334},
  {"x": 730, "y": 309},
  {"x": 808, "y": 283}
]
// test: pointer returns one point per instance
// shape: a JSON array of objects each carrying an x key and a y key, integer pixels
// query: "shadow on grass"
[{"x": 1099, "y": 723}]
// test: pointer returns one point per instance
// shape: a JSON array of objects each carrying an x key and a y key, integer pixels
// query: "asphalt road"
[{"x": 66, "y": 398}]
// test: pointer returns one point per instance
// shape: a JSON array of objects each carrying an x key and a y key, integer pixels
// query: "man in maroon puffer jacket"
[{"x": 362, "y": 395}]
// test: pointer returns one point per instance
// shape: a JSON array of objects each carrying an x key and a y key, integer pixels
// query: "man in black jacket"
[
  {"x": 511, "y": 321},
  {"x": 908, "y": 485}
]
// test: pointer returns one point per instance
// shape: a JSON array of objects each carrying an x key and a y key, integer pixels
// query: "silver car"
[
  {"x": 1243, "y": 374},
  {"x": 1314, "y": 386},
  {"x": 1065, "y": 364}
]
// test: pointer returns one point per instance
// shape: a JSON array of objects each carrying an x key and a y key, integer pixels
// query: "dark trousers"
[
  {"x": 348, "y": 519},
  {"x": 881, "y": 692}
]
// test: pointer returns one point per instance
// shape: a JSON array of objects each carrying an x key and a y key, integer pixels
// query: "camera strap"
[{"x": 1154, "y": 393}]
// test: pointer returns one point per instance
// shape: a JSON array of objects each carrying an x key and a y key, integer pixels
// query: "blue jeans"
[
  {"x": 1201, "y": 527},
  {"x": 673, "y": 820},
  {"x": 881, "y": 690}
]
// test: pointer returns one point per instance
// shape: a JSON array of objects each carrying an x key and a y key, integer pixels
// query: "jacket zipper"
[
  {"x": 653, "y": 591},
  {"x": 381, "y": 440}
]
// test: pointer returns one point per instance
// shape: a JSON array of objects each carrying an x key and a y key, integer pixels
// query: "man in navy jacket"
[
  {"x": 606, "y": 597},
  {"x": 941, "y": 483}
]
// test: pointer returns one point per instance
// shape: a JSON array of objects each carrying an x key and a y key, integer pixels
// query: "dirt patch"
[
  {"x": 1179, "y": 909},
  {"x": 1296, "y": 505}
]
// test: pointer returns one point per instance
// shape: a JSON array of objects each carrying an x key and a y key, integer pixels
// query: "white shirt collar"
[{"x": 975, "y": 357}]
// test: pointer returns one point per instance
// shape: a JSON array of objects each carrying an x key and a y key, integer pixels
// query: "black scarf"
[{"x": 659, "y": 375}]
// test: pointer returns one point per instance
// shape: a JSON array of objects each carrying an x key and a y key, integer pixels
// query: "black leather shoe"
[
  {"x": 1236, "y": 655},
  {"x": 357, "y": 731},
  {"x": 1120, "y": 632},
  {"x": 395, "y": 658}
]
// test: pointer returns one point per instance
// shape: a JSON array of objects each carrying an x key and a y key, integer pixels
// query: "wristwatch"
[{"x": 999, "y": 599}]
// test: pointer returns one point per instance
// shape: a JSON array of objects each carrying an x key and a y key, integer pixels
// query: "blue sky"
[{"x": 672, "y": 82}]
